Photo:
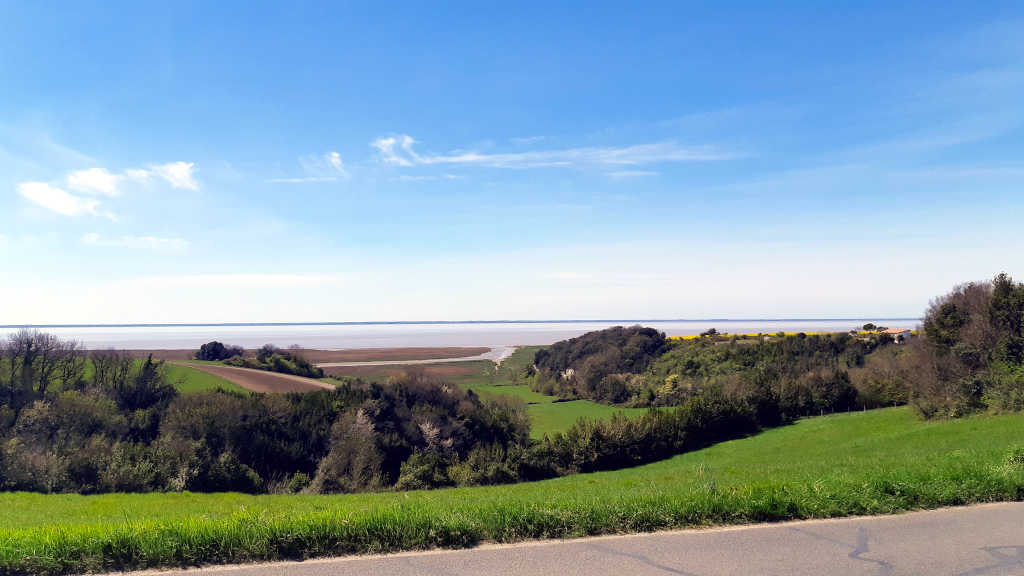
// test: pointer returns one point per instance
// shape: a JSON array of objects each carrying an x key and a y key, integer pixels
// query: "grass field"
[
  {"x": 881, "y": 461},
  {"x": 187, "y": 380},
  {"x": 548, "y": 416},
  {"x": 560, "y": 416}
]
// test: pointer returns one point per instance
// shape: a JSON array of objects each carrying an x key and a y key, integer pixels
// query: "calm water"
[{"x": 340, "y": 336}]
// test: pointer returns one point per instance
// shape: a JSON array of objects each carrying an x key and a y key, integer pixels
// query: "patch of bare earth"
[
  {"x": 382, "y": 372},
  {"x": 261, "y": 380}
]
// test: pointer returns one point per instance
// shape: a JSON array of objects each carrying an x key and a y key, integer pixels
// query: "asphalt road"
[{"x": 977, "y": 540}]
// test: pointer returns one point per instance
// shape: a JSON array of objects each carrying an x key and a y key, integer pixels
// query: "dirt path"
[
  {"x": 261, "y": 380},
  {"x": 496, "y": 355}
]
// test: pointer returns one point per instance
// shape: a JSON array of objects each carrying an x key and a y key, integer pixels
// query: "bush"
[{"x": 215, "y": 351}]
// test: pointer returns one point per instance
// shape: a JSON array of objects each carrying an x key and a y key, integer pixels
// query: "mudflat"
[{"x": 349, "y": 355}]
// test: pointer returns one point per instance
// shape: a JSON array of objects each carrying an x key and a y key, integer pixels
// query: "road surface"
[{"x": 977, "y": 540}]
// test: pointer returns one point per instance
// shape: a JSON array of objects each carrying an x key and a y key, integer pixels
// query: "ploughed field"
[
  {"x": 261, "y": 380},
  {"x": 874, "y": 462}
]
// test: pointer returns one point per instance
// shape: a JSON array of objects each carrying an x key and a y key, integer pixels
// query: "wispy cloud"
[
  {"x": 627, "y": 174},
  {"x": 177, "y": 174},
  {"x": 427, "y": 178},
  {"x": 154, "y": 243},
  {"x": 400, "y": 151},
  {"x": 94, "y": 181},
  {"x": 328, "y": 167},
  {"x": 99, "y": 182},
  {"x": 527, "y": 139},
  {"x": 57, "y": 200},
  {"x": 302, "y": 180}
]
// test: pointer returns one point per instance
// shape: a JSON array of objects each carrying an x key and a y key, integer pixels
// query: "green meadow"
[
  {"x": 874, "y": 462},
  {"x": 548, "y": 416},
  {"x": 187, "y": 380}
]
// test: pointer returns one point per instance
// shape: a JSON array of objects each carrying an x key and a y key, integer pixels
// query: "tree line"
[
  {"x": 101, "y": 421},
  {"x": 797, "y": 374}
]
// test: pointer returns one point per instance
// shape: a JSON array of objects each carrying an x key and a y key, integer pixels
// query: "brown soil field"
[
  {"x": 381, "y": 372},
  {"x": 163, "y": 354},
  {"x": 389, "y": 354},
  {"x": 350, "y": 355},
  {"x": 261, "y": 380}
]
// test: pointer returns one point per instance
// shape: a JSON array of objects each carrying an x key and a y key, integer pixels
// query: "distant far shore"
[
  {"x": 453, "y": 322},
  {"x": 339, "y": 336},
  {"x": 348, "y": 355}
]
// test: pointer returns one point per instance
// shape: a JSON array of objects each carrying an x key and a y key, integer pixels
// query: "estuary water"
[{"x": 338, "y": 336}]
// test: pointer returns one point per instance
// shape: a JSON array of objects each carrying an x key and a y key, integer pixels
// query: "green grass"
[
  {"x": 521, "y": 391},
  {"x": 882, "y": 461},
  {"x": 560, "y": 416},
  {"x": 188, "y": 380},
  {"x": 548, "y": 416}
]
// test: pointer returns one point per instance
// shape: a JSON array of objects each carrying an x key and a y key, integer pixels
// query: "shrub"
[{"x": 216, "y": 351}]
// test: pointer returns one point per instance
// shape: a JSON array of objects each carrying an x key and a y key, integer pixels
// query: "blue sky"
[{"x": 325, "y": 162}]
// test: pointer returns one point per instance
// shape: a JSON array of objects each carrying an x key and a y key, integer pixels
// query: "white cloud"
[
  {"x": 388, "y": 154},
  {"x": 334, "y": 159},
  {"x": 177, "y": 174},
  {"x": 428, "y": 178},
  {"x": 302, "y": 180},
  {"x": 57, "y": 200},
  {"x": 154, "y": 243},
  {"x": 101, "y": 181},
  {"x": 3, "y": 241},
  {"x": 137, "y": 175},
  {"x": 94, "y": 181},
  {"x": 624, "y": 174},
  {"x": 399, "y": 151},
  {"x": 527, "y": 140},
  {"x": 326, "y": 168}
]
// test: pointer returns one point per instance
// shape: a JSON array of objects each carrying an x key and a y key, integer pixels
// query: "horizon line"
[{"x": 449, "y": 322}]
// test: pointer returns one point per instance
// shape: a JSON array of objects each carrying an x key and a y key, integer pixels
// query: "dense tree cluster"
[
  {"x": 72, "y": 421},
  {"x": 972, "y": 354},
  {"x": 792, "y": 375},
  {"x": 587, "y": 366},
  {"x": 218, "y": 351},
  {"x": 274, "y": 359}
]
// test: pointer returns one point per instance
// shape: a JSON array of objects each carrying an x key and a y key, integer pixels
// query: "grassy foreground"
[{"x": 860, "y": 463}]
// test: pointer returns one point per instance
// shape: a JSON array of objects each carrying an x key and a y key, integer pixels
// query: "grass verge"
[{"x": 877, "y": 462}]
